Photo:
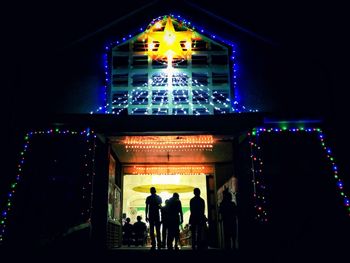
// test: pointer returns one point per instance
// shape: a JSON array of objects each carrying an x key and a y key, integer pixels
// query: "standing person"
[
  {"x": 197, "y": 218},
  {"x": 228, "y": 213},
  {"x": 164, "y": 213},
  {"x": 152, "y": 211},
  {"x": 140, "y": 230},
  {"x": 175, "y": 219}
]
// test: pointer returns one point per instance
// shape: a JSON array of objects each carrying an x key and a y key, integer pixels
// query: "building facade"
[{"x": 80, "y": 176}]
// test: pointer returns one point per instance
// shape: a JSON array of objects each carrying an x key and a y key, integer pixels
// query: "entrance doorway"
[
  {"x": 172, "y": 163},
  {"x": 136, "y": 188}
]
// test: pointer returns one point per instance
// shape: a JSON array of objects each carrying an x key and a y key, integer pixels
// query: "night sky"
[{"x": 49, "y": 68}]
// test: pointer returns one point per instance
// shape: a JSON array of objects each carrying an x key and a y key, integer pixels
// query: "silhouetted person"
[
  {"x": 153, "y": 205},
  {"x": 164, "y": 214},
  {"x": 127, "y": 232},
  {"x": 228, "y": 213},
  {"x": 175, "y": 219},
  {"x": 197, "y": 218},
  {"x": 140, "y": 230}
]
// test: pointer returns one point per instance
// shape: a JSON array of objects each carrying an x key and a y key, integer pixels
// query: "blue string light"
[{"x": 236, "y": 106}]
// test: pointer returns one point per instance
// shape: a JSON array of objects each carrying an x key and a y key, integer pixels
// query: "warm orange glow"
[
  {"x": 169, "y": 41},
  {"x": 175, "y": 143},
  {"x": 169, "y": 170}
]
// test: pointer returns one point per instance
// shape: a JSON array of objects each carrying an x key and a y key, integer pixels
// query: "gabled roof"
[
  {"x": 186, "y": 9},
  {"x": 177, "y": 26}
]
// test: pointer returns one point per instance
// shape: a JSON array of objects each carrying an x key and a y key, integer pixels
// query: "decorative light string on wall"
[
  {"x": 169, "y": 143},
  {"x": 260, "y": 191},
  {"x": 122, "y": 104},
  {"x": 88, "y": 170},
  {"x": 259, "y": 187}
]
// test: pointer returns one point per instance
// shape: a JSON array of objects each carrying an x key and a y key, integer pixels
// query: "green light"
[
  {"x": 331, "y": 158},
  {"x": 2, "y": 222},
  {"x": 9, "y": 204},
  {"x": 57, "y": 130},
  {"x": 284, "y": 128},
  {"x": 26, "y": 138},
  {"x": 342, "y": 193},
  {"x": 318, "y": 129},
  {"x": 301, "y": 128},
  {"x": 13, "y": 185},
  {"x": 254, "y": 133}
]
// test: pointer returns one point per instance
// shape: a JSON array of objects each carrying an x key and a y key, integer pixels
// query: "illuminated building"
[{"x": 203, "y": 138}]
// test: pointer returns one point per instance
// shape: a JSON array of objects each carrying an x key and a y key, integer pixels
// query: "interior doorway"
[{"x": 136, "y": 188}]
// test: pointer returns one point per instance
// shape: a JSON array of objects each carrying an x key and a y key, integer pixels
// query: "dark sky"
[
  {"x": 310, "y": 40},
  {"x": 47, "y": 69}
]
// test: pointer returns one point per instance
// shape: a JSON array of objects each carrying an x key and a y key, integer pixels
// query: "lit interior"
[{"x": 136, "y": 189}]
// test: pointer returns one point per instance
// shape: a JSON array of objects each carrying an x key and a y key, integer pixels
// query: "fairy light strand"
[
  {"x": 88, "y": 168},
  {"x": 223, "y": 107},
  {"x": 260, "y": 192}
]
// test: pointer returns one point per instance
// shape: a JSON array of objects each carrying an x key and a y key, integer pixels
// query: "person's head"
[
  {"x": 196, "y": 191},
  {"x": 152, "y": 190},
  {"x": 127, "y": 219},
  {"x": 138, "y": 218},
  {"x": 176, "y": 195}
]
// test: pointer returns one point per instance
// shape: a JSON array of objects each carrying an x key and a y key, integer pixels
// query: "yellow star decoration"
[{"x": 169, "y": 42}]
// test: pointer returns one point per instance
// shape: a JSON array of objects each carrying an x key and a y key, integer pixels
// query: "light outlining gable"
[{"x": 170, "y": 69}]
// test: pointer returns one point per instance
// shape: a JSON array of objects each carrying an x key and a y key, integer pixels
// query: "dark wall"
[
  {"x": 306, "y": 210},
  {"x": 54, "y": 193}
]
